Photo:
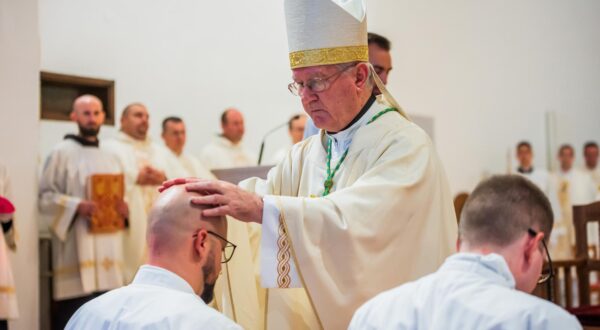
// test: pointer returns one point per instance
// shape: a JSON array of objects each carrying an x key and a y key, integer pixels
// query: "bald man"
[
  {"x": 227, "y": 150},
  {"x": 185, "y": 251},
  {"x": 146, "y": 165},
  {"x": 84, "y": 264}
]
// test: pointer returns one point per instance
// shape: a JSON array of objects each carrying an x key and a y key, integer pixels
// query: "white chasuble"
[
  {"x": 132, "y": 156},
  {"x": 222, "y": 153},
  {"x": 8, "y": 294},
  {"x": 83, "y": 262},
  {"x": 389, "y": 219},
  {"x": 192, "y": 166},
  {"x": 568, "y": 189}
]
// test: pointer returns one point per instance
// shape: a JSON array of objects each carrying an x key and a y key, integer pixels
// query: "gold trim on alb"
[{"x": 324, "y": 56}]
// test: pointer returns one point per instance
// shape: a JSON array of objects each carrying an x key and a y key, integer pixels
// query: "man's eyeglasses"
[
  {"x": 315, "y": 85},
  {"x": 547, "y": 273},
  {"x": 228, "y": 249}
]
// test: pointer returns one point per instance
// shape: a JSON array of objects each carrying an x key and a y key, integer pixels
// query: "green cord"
[{"x": 328, "y": 184}]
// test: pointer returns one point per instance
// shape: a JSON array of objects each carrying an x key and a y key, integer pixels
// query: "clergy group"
[{"x": 353, "y": 227}]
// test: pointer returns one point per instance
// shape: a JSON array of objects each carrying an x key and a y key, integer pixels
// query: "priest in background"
[
  {"x": 538, "y": 176},
  {"x": 145, "y": 165},
  {"x": 590, "y": 154},
  {"x": 503, "y": 229},
  {"x": 8, "y": 295},
  {"x": 84, "y": 264},
  {"x": 358, "y": 209},
  {"x": 296, "y": 126},
  {"x": 174, "y": 136},
  {"x": 569, "y": 186},
  {"x": 227, "y": 149}
]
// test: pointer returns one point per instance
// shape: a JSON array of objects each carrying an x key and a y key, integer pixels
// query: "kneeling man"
[
  {"x": 185, "y": 254},
  {"x": 503, "y": 229}
]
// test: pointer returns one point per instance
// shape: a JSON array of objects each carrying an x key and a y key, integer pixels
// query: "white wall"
[
  {"x": 189, "y": 58},
  {"x": 19, "y": 108},
  {"x": 486, "y": 71}
]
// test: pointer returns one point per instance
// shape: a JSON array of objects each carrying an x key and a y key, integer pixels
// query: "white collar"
[
  {"x": 128, "y": 139},
  {"x": 227, "y": 143},
  {"x": 342, "y": 140},
  {"x": 491, "y": 266},
  {"x": 157, "y": 276}
]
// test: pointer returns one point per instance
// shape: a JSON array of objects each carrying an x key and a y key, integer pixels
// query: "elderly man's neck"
[{"x": 366, "y": 103}]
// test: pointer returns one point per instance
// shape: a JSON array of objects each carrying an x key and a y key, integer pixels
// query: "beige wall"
[{"x": 19, "y": 139}]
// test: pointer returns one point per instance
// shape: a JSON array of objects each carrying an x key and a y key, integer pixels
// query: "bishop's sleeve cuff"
[{"x": 269, "y": 248}]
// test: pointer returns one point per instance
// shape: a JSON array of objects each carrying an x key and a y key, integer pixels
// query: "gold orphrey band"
[
  {"x": 324, "y": 56},
  {"x": 283, "y": 258}
]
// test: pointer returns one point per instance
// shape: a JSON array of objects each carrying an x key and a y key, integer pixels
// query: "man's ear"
[
  {"x": 200, "y": 244},
  {"x": 73, "y": 116},
  {"x": 362, "y": 75},
  {"x": 531, "y": 245}
]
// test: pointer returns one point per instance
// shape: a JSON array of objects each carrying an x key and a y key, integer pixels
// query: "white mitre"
[{"x": 323, "y": 32}]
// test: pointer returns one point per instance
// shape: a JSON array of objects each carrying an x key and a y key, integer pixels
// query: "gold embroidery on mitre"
[{"x": 324, "y": 56}]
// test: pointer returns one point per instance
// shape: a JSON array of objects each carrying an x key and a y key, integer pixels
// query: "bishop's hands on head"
[{"x": 222, "y": 199}]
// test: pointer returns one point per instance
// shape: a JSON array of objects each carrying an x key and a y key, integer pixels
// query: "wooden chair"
[
  {"x": 551, "y": 290},
  {"x": 582, "y": 215},
  {"x": 459, "y": 203}
]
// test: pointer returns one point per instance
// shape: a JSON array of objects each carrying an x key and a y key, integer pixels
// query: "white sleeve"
[{"x": 269, "y": 248}]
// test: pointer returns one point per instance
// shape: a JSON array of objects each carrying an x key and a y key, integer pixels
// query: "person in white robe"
[
  {"x": 227, "y": 149},
  {"x": 84, "y": 264},
  {"x": 487, "y": 285},
  {"x": 569, "y": 186},
  {"x": 296, "y": 126},
  {"x": 145, "y": 165},
  {"x": 235, "y": 292},
  {"x": 590, "y": 155},
  {"x": 540, "y": 177},
  {"x": 174, "y": 136},
  {"x": 185, "y": 251},
  {"x": 8, "y": 296},
  {"x": 356, "y": 210}
]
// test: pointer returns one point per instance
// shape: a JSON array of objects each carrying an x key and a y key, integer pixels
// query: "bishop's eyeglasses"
[
  {"x": 316, "y": 85},
  {"x": 228, "y": 249}
]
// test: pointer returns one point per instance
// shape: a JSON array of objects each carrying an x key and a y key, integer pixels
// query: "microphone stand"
[{"x": 273, "y": 130}]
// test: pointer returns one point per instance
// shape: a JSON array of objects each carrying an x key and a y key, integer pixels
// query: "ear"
[
  {"x": 201, "y": 245},
  {"x": 531, "y": 245},
  {"x": 73, "y": 116},
  {"x": 362, "y": 75}
]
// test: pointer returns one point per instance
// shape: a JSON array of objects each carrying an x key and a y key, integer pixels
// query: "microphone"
[{"x": 273, "y": 130}]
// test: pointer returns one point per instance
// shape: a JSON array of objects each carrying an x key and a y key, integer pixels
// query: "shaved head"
[
  {"x": 173, "y": 218},
  {"x": 84, "y": 100},
  {"x": 184, "y": 242}
]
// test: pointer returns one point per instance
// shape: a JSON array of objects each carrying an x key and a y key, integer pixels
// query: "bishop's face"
[{"x": 335, "y": 107}]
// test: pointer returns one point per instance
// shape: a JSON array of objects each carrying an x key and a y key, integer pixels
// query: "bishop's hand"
[{"x": 224, "y": 198}]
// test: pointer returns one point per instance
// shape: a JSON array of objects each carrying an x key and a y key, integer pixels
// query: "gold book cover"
[{"x": 107, "y": 191}]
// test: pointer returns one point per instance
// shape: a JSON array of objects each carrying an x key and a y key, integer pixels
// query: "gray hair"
[
  {"x": 501, "y": 209},
  {"x": 342, "y": 66}
]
